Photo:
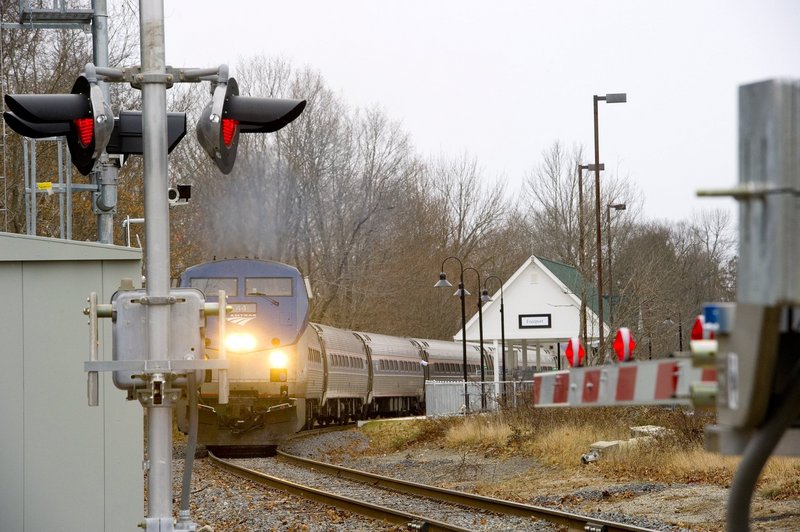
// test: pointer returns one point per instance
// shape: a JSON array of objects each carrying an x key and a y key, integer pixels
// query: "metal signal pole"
[
  {"x": 105, "y": 199},
  {"x": 159, "y": 402}
]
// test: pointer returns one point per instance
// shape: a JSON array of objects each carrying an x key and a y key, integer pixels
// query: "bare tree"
[
  {"x": 44, "y": 61},
  {"x": 666, "y": 273}
]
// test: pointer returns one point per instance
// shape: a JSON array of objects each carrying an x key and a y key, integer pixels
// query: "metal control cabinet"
[
  {"x": 129, "y": 330},
  {"x": 63, "y": 465}
]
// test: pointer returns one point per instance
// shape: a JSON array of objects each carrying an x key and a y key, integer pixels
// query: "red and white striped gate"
[{"x": 650, "y": 382}]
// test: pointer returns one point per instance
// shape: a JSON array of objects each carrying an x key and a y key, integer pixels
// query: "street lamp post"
[
  {"x": 608, "y": 98},
  {"x": 461, "y": 292},
  {"x": 480, "y": 332},
  {"x": 616, "y": 207},
  {"x": 485, "y": 298},
  {"x": 582, "y": 246},
  {"x": 669, "y": 321}
]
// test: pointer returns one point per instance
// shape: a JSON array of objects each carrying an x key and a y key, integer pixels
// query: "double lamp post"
[
  {"x": 483, "y": 298},
  {"x": 608, "y": 98}
]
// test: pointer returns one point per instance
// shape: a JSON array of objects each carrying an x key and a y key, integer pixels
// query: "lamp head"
[
  {"x": 461, "y": 292},
  {"x": 485, "y": 298},
  {"x": 619, "y": 97},
  {"x": 443, "y": 282}
]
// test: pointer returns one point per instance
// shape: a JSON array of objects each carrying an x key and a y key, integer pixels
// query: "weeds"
[{"x": 559, "y": 436}]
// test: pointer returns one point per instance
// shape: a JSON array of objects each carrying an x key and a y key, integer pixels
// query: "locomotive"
[{"x": 286, "y": 374}]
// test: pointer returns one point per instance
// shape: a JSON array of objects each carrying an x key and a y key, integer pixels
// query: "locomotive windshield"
[
  {"x": 269, "y": 286},
  {"x": 210, "y": 286}
]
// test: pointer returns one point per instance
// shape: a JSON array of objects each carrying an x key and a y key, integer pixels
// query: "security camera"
[{"x": 180, "y": 194}]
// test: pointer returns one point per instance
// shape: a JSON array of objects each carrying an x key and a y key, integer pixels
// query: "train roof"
[
  {"x": 446, "y": 349},
  {"x": 382, "y": 344},
  {"x": 244, "y": 267},
  {"x": 341, "y": 340}
]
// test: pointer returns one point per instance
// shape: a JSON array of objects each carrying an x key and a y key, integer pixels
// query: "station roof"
[{"x": 541, "y": 303}]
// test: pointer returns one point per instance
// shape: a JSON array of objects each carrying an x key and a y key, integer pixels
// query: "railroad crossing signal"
[
  {"x": 228, "y": 115},
  {"x": 83, "y": 116},
  {"x": 127, "y": 135}
]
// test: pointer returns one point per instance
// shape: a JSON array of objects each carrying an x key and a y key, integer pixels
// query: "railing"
[{"x": 447, "y": 398}]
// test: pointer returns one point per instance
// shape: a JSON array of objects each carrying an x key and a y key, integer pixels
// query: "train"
[{"x": 287, "y": 374}]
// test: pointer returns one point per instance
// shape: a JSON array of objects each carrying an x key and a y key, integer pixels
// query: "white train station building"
[{"x": 541, "y": 311}]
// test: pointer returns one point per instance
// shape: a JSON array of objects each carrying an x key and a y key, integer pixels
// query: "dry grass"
[
  {"x": 478, "y": 432},
  {"x": 390, "y": 436},
  {"x": 559, "y": 437}
]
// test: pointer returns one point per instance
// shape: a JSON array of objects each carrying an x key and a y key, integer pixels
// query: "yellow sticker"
[{"x": 45, "y": 185}]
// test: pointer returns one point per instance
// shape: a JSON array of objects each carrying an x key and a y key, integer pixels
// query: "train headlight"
[
  {"x": 240, "y": 342},
  {"x": 278, "y": 359}
]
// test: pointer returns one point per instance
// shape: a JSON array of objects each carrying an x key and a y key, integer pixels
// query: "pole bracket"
[{"x": 157, "y": 300}]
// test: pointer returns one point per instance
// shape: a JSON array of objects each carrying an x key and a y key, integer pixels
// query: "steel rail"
[
  {"x": 499, "y": 506},
  {"x": 387, "y": 515}
]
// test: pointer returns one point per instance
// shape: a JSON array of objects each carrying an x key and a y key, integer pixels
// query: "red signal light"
[
  {"x": 700, "y": 331},
  {"x": 229, "y": 126},
  {"x": 85, "y": 128},
  {"x": 624, "y": 344},
  {"x": 574, "y": 352}
]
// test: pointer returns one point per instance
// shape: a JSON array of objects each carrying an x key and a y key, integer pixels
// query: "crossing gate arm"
[{"x": 652, "y": 382}]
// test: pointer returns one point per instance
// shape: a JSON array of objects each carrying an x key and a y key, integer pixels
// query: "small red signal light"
[
  {"x": 624, "y": 344},
  {"x": 700, "y": 331},
  {"x": 229, "y": 126},
  {"x": 85, "y": 127},
  {"x": 574, "y": 352}
]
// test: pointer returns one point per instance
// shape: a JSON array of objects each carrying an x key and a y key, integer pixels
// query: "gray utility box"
[
  {"x": 129, "y": 331},
  {"x": 63, "y": 465}
]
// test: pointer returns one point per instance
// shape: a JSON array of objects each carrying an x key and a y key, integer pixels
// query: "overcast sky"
[{"x": 502, "y": 80}]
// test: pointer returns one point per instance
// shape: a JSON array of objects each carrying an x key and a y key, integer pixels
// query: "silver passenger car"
[
  {"x": 445, "y": 360},
  {"x": 346, "y": 382},
  {"x": 397, "y": 374}
]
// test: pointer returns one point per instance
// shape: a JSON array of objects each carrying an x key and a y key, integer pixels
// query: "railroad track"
[{"x": 415, "y": 506}]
